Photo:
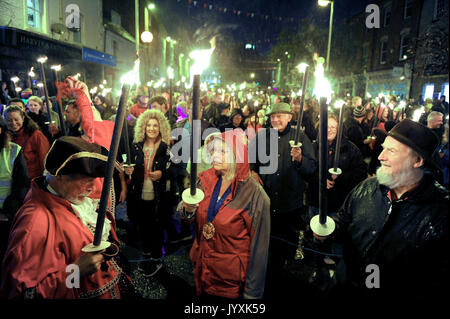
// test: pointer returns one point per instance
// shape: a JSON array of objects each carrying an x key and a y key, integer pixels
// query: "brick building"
[{"x": 392, "y": 58}]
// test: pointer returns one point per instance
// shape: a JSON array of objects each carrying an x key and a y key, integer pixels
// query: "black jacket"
[
  {"x": 75, "y": 130},
  {"x": 284, "y": 186},
  {"x": 406, "y": 238},
  {"x": 354, "y": 171},
  {"x": 309, "y": 123},
  {"x": 160, "y": 162}
]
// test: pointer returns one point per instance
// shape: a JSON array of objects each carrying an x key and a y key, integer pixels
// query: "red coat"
[
  {"x": 99, "y": 132},
  {"x": 233, "y": 263},
  {"x": 35, "y": 147},
  {"x": 45, "y": 238}
]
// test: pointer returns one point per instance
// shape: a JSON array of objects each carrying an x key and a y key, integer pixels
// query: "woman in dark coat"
[
  {"x": 351, "y": 162},
  {"x": 147, "y": 187}
]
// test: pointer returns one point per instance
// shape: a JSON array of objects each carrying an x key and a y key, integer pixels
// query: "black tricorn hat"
[
  {"x": 73, "y": 155},
  {"x": 417, "y": 136}
]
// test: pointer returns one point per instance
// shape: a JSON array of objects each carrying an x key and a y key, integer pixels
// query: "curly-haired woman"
[
  {"x": 147, "y": 188},
  {"x": 27, "y": 134}
]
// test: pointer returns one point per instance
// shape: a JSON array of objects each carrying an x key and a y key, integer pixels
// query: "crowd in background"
[{"x": 152, "y": 188}]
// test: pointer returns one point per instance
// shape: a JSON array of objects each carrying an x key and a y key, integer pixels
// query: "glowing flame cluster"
[
  {"x": 323, "y": 88},
  {"x": 132, "y": 77},
  {"x": 201, "y": 60}
]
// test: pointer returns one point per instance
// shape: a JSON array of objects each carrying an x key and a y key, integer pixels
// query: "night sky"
[{"x": 242, "y": 28}]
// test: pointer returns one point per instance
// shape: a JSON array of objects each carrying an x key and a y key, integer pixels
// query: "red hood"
[{"x": 237, "y": 141}]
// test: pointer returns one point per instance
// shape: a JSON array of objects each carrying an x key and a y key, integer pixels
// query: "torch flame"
[
  {"x": 338, "y": 104},
  {"x": 322, "y": 88},
  {"x": 201, "y": 59},
  {"x": 131, "y": 77},
  {"x": 42, "y": 59}
]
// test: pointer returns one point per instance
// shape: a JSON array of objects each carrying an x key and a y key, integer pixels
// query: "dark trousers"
[
  {"x": 150, "y": 228},
  {"x": 284, "y": 234}
]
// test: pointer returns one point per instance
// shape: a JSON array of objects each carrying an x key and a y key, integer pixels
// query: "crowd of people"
[{"x": 389, "y": 203}]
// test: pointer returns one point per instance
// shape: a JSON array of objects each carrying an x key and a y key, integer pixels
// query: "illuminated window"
[
  {"x": 444, "y": 91},
  {"x": 404, "y": 44},
  {"x": 428, "y": 91},
  {"x": 34, "y": 12}
]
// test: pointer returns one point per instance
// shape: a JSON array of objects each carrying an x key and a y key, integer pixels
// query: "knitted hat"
[{"x": 359, "y": 111}]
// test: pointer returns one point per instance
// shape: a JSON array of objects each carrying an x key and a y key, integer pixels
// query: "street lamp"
[
  {"x": 146, "y": 37},
  {"x": 324, "y": 3},
  {"x": 252, "y": 75}
]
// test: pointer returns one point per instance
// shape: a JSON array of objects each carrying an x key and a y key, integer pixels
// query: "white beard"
[{"x": 407, "y": 176}]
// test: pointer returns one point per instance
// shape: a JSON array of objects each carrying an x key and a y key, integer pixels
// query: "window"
[
  {"x": 383, "y": 51},
  {"x": 34, "y": 11},
  {"x": 428, "y": 91},
  {"x": 114, "y": 47},
  {"x": 439, "y": 9},
  {"x": 387, "y": 15},
  {"x": 404, "y": 45},
  {"x": 408, "y": 8},
  {"x": 444, "y": 91}
]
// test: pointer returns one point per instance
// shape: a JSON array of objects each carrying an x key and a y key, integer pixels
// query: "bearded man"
[{"x": 394, "y": 226}]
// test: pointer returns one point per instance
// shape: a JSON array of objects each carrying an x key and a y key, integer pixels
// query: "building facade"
[{"x": 392, "y": 59}]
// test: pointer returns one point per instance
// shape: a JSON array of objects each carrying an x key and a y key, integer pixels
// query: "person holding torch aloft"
[{"x": 283, "y": 179}]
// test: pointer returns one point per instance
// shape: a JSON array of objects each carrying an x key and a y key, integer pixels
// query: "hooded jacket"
[
  {"x": 35, "y": 148},
  {"x": 406, "y": 238},
  {"x": 233, "y": 263}
]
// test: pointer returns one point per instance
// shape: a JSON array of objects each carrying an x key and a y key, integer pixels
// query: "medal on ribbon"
[{"x": 209, "y": 230}]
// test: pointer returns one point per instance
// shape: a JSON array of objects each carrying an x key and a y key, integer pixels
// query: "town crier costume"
[{"x": 58, "y": 219}]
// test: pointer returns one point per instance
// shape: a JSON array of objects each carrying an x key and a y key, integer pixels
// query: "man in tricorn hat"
[
  {"x": 284, "y": 186},
  {"x": 395, "y": 226},
  {"x": 58, "y": 218}
]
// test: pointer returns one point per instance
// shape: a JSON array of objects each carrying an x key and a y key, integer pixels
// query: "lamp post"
[
  {"x": 147, "y": 38},
  {"x": 324, "y": 3},
  {"x": 170, "y": 75}
]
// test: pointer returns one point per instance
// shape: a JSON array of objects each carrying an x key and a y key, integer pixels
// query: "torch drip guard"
[
  {"x": 192, "y": 199},
  {"x": 322, "y": 229},
  {"x": 91, "y": 248}
]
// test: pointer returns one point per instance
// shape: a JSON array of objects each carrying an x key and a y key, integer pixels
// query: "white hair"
[{"x": 434, "y": 114}]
